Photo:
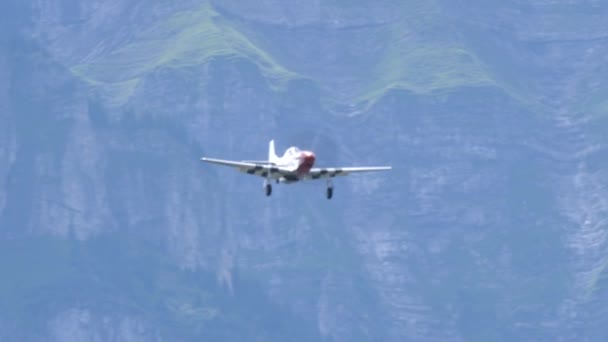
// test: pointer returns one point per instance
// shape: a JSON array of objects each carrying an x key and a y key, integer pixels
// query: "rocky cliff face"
[{"x": 490, "y": 227}]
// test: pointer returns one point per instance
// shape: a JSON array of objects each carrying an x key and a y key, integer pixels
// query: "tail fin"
[{"x": 272, "y": 156}]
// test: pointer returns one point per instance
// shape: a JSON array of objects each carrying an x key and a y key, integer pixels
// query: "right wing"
[
  {"x": 253, "y": 168},
  {"x": 331, "y": 172}
]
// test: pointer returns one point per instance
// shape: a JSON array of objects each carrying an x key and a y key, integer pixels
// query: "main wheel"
[
  {"x": 268, "y": 189},
  {"x": 330, "y": 193}
]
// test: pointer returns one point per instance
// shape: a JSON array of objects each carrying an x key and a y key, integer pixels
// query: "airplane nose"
[
  {"x": 309, "y": 157},
  {"x": 307, "y": 160}
]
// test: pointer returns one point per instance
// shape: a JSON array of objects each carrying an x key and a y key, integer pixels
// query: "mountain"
[{"x": 492, "y": 224}]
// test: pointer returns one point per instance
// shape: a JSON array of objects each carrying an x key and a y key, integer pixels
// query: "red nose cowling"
[{"x": 307, "y": 160}]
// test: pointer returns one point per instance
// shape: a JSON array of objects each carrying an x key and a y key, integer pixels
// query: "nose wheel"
[
  {"x": 268, "y": 189},
  {"x": 330, "y": 189}
]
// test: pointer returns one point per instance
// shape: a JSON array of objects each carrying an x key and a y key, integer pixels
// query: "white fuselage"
[{"x": 295, "y": 160}]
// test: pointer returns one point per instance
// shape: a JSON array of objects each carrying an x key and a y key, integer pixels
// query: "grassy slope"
[
  {"x": 419, "y": 52},
  {"x": 422, "y": 55},
  {"x": 185, "y": 39},
  {"x": 426, "y": 54},
  {"x": 426, "y": 68}
]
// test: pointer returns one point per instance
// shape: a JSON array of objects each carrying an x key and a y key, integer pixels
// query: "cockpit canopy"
[{"x": 292, "y": 151}]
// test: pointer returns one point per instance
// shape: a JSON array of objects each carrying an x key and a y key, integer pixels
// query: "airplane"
[{"x": 294, "y": 166}]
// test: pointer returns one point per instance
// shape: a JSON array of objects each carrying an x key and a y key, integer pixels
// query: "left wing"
[
  {"x": 330, "y": 172},
  {"x": 265, "y": 169}
]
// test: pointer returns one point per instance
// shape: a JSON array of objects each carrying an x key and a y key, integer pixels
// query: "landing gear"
[
  {"x": 268, "y": 188},
  {"x": 330, "y": 189}
]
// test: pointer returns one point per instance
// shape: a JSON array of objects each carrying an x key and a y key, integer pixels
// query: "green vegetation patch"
[
  {"x": 422, "y": 56},
  {"x": 186, "y": 39},
  {"x": 425, "y": 68}
]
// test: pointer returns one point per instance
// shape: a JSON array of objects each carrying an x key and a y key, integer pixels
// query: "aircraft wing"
[
  {"x": 252, "y": 168},
  {"x": 330, "y": 172}
]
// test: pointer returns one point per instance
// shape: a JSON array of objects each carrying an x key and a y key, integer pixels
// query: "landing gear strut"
[{"x": 330, "y": 189}]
